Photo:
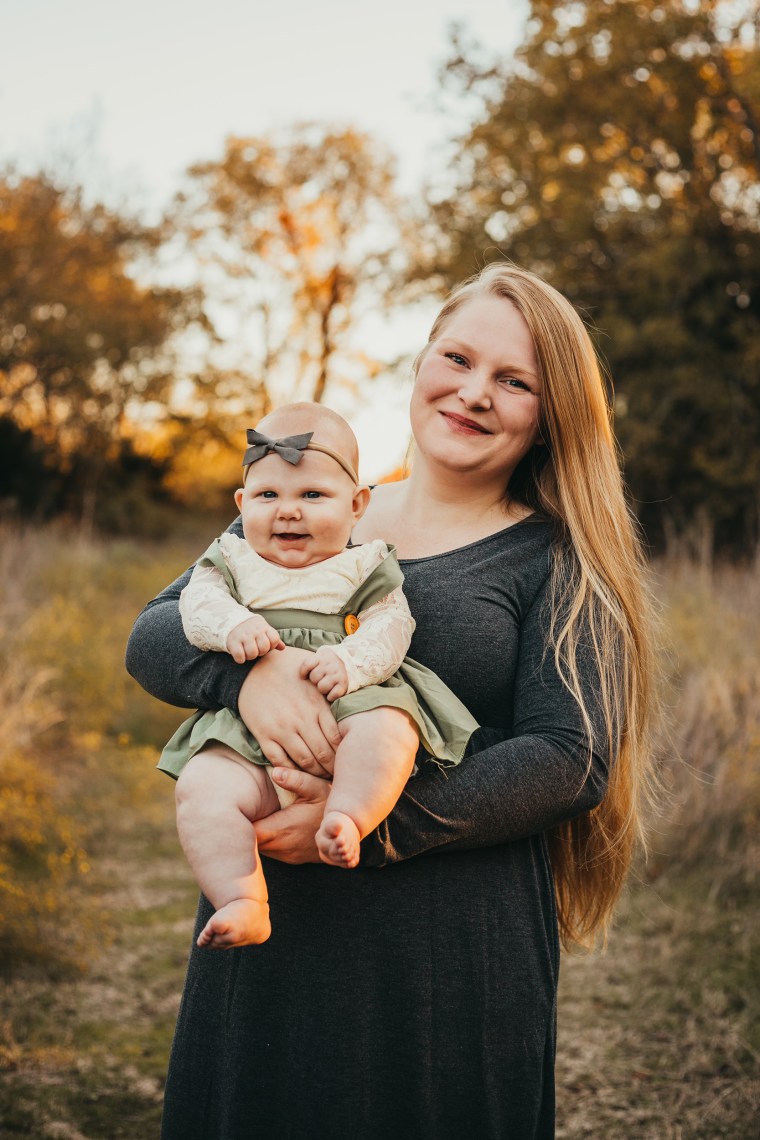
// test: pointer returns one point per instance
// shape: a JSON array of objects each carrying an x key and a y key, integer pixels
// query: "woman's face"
[{"x": 477, "y": 397}]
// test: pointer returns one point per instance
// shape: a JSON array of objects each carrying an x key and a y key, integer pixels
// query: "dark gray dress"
[{"x": 414, "y": 997}]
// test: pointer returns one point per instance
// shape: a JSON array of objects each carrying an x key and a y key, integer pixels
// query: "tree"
[
  {"x": 84, "y": 341},
  {"x": 296, "y": 231},
  {"x": 619, "y": 156}
]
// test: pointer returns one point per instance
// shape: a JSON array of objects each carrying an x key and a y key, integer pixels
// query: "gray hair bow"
[{"x": 290, "y": 448}]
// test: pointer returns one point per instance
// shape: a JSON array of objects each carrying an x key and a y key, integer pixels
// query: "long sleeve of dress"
[
  {"x": 208, "y": 610},
  {"x": 380, "y": 644},
  {"x": 544, "y": 774},
  {"x": 161, "y": 659}
]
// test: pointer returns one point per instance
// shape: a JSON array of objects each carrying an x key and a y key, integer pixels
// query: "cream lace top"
[{"x": 371, "y": 655}]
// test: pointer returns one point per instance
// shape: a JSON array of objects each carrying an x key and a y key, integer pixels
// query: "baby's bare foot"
[
  {"x": 239, "y": 923},
  {"x": 338, "y": 840}
]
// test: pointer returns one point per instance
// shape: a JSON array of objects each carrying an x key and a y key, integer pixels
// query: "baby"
[{"x": 299, "y": 502}]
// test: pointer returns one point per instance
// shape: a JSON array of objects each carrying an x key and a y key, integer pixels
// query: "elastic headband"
[{"x": 291, "y": 449}]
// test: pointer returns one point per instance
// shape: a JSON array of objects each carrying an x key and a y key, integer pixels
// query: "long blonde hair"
[{"x": 598, "y": 590}]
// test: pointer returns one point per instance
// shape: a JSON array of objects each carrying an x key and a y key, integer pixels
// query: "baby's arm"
[
  {"x": 369, "y": 656},
  {"x": 212, "y": 619}
]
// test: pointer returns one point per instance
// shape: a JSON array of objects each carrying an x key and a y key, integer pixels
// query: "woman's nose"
[{"x": 474, "y": 390}]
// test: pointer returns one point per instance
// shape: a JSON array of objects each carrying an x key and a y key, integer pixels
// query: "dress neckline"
[{"x": 533, "y": 518}]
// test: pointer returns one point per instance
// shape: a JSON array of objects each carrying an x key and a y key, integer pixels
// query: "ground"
[{"x": 655, "y": 1037}]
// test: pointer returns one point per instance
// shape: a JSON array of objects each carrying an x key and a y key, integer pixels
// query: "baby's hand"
[
  {"x": 252, "y": 639},
  {"x": 328, "y": 673}
]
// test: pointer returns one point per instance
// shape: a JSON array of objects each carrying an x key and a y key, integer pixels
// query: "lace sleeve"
[
  {"x": 378, "y": 647},
  {"x": 208, "y": 610}
]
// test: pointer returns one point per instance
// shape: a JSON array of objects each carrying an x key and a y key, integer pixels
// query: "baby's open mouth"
[{"x": 288, "y": 536}]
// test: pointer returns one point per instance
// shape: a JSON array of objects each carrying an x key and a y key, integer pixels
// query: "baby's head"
[{"x": 298, "y": 514}]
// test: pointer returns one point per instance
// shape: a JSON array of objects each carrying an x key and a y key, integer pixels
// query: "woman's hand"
[
  {"x": 288, "y": 835},
  {"x": 288, "y": 715}
]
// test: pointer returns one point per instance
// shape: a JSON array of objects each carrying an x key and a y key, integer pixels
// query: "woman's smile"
[{"x": 462, "y": 424}]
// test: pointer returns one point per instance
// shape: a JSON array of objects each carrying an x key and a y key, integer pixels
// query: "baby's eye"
[
  {"x": 268, "y": 495},
  {"x": 312, "y": 494}
]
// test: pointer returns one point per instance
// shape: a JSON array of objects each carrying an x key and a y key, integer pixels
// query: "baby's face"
[{"x": 298, "y": 514}]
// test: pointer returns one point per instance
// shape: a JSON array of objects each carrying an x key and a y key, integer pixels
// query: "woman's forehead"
[{"x": 494, "y": 325}]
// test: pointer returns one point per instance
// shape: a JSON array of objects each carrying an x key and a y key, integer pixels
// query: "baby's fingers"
[
  {"x": 312, "y": 670},
  {"x": 324, "y": 684},
  {"x": 237, "y": 651},
  {"x": 275, "y": 641}
]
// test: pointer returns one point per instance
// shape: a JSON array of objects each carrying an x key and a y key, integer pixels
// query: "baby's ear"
[
  {"x": 239, "y": 498},
  {"x": 360, "y": 502}
]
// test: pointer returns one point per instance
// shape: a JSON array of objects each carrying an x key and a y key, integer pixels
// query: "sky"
[{"x": 141, "y": 90}]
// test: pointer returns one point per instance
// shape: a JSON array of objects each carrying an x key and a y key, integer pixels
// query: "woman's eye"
[
  {"x": 513, "y": 382},
  {"x": 456, "y": 357}
]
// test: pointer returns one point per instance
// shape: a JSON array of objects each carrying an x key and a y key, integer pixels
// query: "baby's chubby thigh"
[
  {"x": 385, "y": 734},
  {"x": 218, "y": 779}
]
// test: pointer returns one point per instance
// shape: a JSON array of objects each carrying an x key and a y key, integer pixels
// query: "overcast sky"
[{"x": 162, "y": 82}]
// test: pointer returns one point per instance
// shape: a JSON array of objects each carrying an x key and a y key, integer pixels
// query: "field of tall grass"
[{"x": 658, "y": 1038}]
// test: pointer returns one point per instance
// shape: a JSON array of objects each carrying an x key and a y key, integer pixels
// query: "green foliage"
[{"x": 619, "y": 157}]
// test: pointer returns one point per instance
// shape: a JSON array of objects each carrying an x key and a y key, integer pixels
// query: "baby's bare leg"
[
  {"x": 219, "y": 795},
  {"x": 372, "y": 764}
]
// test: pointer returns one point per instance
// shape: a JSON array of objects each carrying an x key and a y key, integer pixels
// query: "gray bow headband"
[{"x": 291, "y": 449}]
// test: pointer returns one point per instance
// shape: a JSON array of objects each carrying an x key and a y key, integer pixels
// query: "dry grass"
[
  {"x": 658, "y": 1038},
  {"x": 713, "y": 622}
]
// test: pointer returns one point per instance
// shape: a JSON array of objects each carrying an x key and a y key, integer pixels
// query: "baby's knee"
[
  {"x": 195, "y": 779},
  {"x": 392, "y": 726}
]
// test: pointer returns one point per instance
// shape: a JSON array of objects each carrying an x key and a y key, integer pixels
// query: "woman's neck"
[{"x": 428, "y": 514}]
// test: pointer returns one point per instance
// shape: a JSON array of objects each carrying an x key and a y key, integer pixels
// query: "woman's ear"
[{"x": 360, "y": 502}]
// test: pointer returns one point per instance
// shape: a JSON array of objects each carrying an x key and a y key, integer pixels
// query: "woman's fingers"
[
  {"x": 308, "y": 788},
  {"x": 281, "y": 708},
  {"x": 296, "y": 754},
  {"x": 330, "y": 730},
  {"x": 288, "y": 835},
  {"x": 276, "y": 755},
  {"x": 315, "y": 756},
  {"x": 318, "y": 752}
]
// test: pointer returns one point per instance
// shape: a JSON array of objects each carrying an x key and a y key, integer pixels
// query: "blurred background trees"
[
  {"x": 300, "y": 227},
  {"x": 83, "y": 342},
  {"x": 617, "y": 154}
]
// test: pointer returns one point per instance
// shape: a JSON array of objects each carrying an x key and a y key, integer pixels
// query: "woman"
[{"x": 419, "y": 1000}]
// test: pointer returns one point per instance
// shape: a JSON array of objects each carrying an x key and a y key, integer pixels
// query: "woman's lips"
[{"x": 462, "y": 424}]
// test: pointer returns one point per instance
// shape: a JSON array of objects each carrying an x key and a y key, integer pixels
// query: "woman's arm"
[
  {"x": 540, "y": 777},
  {"x": 163, "y": 661}
]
